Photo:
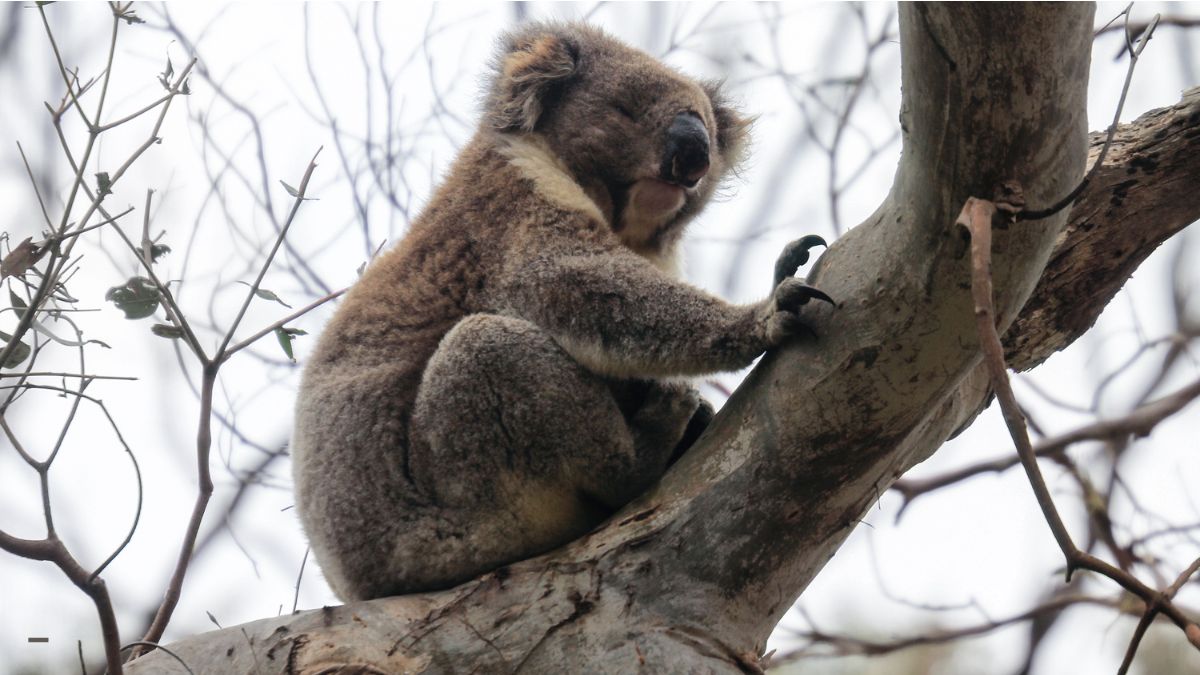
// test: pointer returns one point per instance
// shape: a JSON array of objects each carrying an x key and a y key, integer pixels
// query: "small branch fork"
[
  {"x": 210, "y": 368},
  {"x": 978, "y": 217}
]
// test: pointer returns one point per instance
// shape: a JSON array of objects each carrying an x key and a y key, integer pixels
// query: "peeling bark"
[{"x": 693, "y": 576}]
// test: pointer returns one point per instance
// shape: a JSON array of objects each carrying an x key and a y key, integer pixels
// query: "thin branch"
[
  {"x": 1151, "y": 612},
  {"x": 132, "y": 116},
  {"x": 1138, "y": 423},
  {"x": 155, "y": 645},
  {"x": 299, "y": 199},
  {"x": 33, "y": 182},
  {"x": 1134, "y": 53},
  {"x": 281, "y": 323},
  {"x": 977, "y": 217},
  {"x": 204, "y": 493},
  {"x": 299, "y": 578},
  {"x": 1173, "y": 21},
  {"x": 137, "y": 472},
  {"x": 849, "y": 646},
  {"x": 53, "y": 374}
]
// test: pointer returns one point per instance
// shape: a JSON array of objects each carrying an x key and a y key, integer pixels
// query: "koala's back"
[{"x": 359, "y": 492}]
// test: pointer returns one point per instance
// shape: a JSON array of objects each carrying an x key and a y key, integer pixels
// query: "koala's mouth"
[
  {"x": 652, "y": 196},
  {"x": 644, "y": 209}
]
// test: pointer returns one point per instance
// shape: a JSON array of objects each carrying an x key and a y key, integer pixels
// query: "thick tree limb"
[
  {"x": 1144, "y": 194},
  {"x": 693, "y": 576}
]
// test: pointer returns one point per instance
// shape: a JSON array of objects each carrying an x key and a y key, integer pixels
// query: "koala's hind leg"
[{"x": 515, "y": 434}]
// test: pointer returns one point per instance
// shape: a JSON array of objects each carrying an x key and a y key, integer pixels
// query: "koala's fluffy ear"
[
  {"x": 531, "y": 65},
  {"x": 733, "y": 128}
]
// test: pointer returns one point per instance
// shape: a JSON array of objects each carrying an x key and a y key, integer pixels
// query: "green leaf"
[
  {"x": 19, "y": 353},
  {"x": 267, "y": 295},
  {"x": 138, "y": 298},
  {"x": 165, "y": 330},
  {"x": 285, "y": 336},
  {"x": 296, "y": 193},
  {"x": 17, "y": 303},
  {"x": 285, "y": 341}
]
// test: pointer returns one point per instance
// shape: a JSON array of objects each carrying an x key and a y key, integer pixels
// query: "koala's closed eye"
[{"x": 625, "y": 111}]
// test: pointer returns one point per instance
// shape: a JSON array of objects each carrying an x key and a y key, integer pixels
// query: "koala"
[{"x": 510, "y": 374}]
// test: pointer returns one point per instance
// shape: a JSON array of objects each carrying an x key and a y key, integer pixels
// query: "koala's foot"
[
  {"x": 794, "y": 255},
  {"x": 662, "y": 419},
  {"x": 700, "y": 420}
]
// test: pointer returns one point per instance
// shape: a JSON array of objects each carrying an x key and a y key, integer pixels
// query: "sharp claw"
[
  {"x": 794, "y": 255},
  {"x": 819, "y": 295},
  {"x": 800, "y": 294},
  {"x": 810, "y": 240}
]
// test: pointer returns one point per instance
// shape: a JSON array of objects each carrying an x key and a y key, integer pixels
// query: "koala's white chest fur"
[{"x": 650, "y": 206}]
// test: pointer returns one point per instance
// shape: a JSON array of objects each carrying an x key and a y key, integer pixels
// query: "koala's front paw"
[{"x": 782, "y": 311}]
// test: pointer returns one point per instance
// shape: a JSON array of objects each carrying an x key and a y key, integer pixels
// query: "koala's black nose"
[{"x": 686, "y": 158}]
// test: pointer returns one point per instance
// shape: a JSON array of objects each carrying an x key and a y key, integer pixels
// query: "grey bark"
[{"x": 693, "y": 576}]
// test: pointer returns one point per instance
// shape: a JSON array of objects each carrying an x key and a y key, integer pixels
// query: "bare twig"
[
  {"x": 1138, "y": 423},
  {"x": 88, "y": 376},
  {"x": 1134, "y": 53},
  {"x": 210, "y": 370},
  {"x": 281, "y": 323},
  {"x": 155, "y": 645},
  {"x": 301, "y": 191},
  {"x": 842, "y": 645},
  {"x": 977, "y": 217},
  {"x": 299, "y": 578},
  {"x": 1152, "y": 611},
  {"x": 204, "y": 493}
]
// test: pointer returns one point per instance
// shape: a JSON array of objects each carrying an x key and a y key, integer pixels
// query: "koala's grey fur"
[{"x": 490, "y": 389}]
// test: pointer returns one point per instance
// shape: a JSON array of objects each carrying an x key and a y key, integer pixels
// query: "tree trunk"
[{"x": 693, "y": 576}]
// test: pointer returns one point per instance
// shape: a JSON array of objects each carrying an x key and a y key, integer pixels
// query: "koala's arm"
[{"x": 618, "y": 315}]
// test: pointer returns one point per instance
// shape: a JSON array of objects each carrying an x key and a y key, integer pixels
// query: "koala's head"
[{"x": 649, "y": 144}]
